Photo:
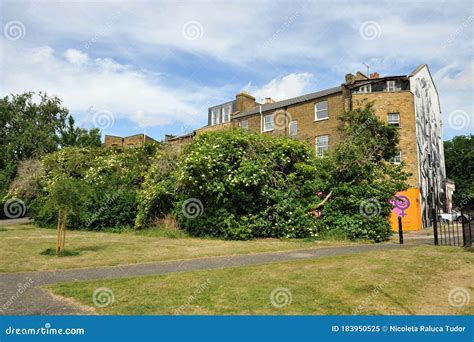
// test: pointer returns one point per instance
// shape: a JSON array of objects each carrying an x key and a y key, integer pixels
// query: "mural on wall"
[{"x": 429, "y": 140}]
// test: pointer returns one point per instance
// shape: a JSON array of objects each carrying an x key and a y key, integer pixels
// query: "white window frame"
[
  {"x": 365, "y": 88},
  {"x": 391, "y": 86},
  {"x": 317, "y": 110},
  {"x": 265, "y": 128},
  {"x": 246, "y": 125},
  {"x": 293, "y": 128},
  {"x": 226, "y": 110},
  {"x": 393, "y": 122},
  {"x": 321, "y": 146},
  {"x": 215, "y": 117},
  {"x": 397, "y": 160}
]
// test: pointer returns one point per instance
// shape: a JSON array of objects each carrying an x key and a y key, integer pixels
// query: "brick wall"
[{"x": 400, "y": 102}]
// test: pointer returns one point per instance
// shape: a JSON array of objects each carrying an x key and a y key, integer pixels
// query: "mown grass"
[
  {"x": 24, "y": 247},
  {"x": 415, "y": 280}
]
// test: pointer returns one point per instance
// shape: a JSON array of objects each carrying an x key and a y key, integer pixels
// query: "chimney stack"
[
  {"x": 374, "y": 75},
  {"x": 244, "y": 102},
  {"x": 268, "y": 100}
]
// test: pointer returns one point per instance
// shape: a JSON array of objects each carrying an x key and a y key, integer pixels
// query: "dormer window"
[
  {"x": 391, "y": 86},
  {"x": 365, "y": 88},
  {"x": 215, "y": 119},
  {"x": 226, "y": 113}
]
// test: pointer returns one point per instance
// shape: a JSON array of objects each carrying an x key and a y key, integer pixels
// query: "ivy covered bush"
[{"x": 107, "y": 180}]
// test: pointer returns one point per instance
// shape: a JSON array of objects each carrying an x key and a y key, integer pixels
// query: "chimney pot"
[{"x": 374, "y": 75}]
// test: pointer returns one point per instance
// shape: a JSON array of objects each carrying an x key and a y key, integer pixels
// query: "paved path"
[
  {"x": 15, "y": 221},
  {"x": 20, "y": 293}
]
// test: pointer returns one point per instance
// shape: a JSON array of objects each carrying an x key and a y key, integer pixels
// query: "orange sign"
[{"x": 407, "y": 206}]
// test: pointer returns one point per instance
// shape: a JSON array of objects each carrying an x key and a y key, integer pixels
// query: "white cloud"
[
  {"x": 102, "y": 84},
  {"x": 289, "y": 86},
  {"x": 109, "y": 46},
  {"x": 76, "y": 57}
]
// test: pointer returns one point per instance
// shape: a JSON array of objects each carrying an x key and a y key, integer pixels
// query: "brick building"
[
  {"x": 409, "y": 102},
  {"x": 131, "y": 141}
]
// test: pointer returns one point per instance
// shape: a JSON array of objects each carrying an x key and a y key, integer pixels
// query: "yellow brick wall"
[
  {"x": 303, "y": 113},
  {"x": 403, "y": 103}
]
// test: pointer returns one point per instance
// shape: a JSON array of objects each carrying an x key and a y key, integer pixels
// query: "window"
[
  {"x": 391, "y": 86},
  {"x": 268, "y": 123},
  {"x": 321, "y": 110},
  {"x": 215, "y": 116},
  {"x": 398, "y": 158},
  {"x": 394, "y": 119},
  {"x": 226, "y": 113},
  {"x": 244, "y": 124},
  {"x": 365, "y": 88},
  {"x": 293, "y": 128},
  {"x": 322, "y": 144}
]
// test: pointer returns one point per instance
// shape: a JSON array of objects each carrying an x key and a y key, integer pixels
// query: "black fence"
[{"x": 455, "y": 229}]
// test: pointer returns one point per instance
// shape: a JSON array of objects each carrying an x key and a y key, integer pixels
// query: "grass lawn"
[
  {"x": 415, "y": 280},
  {"x": 23, "y": 247}
]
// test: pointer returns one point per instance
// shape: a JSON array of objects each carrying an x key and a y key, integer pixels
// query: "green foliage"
[
  {"x": 237, "y": 185},
  {"x": 363, "y": 179},
  {"x": 32, "y": 126},
  {"x": 98, "y": 185},
  {"x": 243, "y": 185},
  {"x": 459, "y": 160}
]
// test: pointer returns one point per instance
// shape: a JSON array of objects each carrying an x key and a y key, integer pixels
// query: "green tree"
[
  {"x": 459, "y": 159},
  {"x": 363, "y": 178},
  {"x": 32, "y": 126}
]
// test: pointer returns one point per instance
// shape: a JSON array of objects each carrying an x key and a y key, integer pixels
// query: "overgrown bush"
[
  {"x": 107, "y": 179},
  {"x": 240, "y": 185}
]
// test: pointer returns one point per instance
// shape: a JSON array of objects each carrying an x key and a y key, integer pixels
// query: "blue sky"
[{"x": 155, "y": 66}]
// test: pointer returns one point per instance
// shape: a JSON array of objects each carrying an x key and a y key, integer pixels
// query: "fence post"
[
  {"x": 464, "y": 237},
  {"x": 400, "y": 230},
  {"x": 435, "y": 227}
]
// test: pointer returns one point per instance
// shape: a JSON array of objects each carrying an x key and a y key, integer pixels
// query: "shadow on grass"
[
  {"x": 65, "y": 253},
  {"x": 90, "y": 248}
]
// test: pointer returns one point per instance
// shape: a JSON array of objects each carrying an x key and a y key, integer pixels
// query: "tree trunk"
[
  {"x": 58, "y": 240},
  {"x": 63, "y": 242}
]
